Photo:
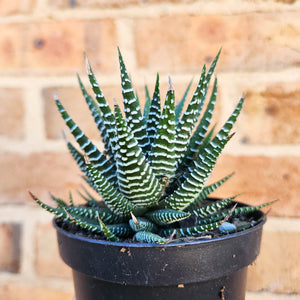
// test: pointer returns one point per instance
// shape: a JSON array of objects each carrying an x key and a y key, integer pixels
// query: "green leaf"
[
  {"x": 211, "y": 208},
  {"x": 149, "y": 237},
  {"x": 115, "y": 201},
  {"x": 147, "y": 104},
  {"x": 137, "y": 181},
  {"x": 179, "y": 105},
  {"x": 186, "y": 124},
  {"x": 108, "y": 116},
  {"x": 154, "y": 112},
  {"x": 141, "y": 224},
  {"x": 206, "y": 191},
  {"x": 166, "y": 216},
  {"x": 132, "y": 110},
  {"x": 200, "y": 132},
  {"x": 98, "y": 118},
  {"x": 190, "y": 231},
  {"x": 212, "y": 67},
  {"x": 239, "y": 210},
  {"x": 108, "y": 233},
  {"x": 105, "y": 214},
  {"x": 162, "y": 156},
  {"x": 196, "y": 180},
  {"x": 95, "y": 156}
]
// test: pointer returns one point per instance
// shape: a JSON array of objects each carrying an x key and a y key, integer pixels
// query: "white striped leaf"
[
  {"x": 114, "y": 200},
  {"x": 107, "y": 114},
  {"x": 95, "y": 156},
  {"x": 98, "y": 118},
  {"x": 154, "y": 112},
  {"x": 132, "y": 110},
  {"x": 196, "y": 180},
  {"x": 162, "y": 156},
  {"x": 136, "y": 179}
]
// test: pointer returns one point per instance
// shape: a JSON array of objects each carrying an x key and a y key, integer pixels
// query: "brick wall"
[{"x": 41, "y": 47}]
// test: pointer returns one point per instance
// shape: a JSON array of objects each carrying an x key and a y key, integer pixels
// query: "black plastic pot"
[{"x": 203, "y": 269}]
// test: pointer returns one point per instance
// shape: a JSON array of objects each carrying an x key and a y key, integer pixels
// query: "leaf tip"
[{"x": 171, "y": 87}]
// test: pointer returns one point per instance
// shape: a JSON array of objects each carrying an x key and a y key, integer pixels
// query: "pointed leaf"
[
  {"x": 240, "y": 210},
  {"x": 137, "y": 181},
  {"x": 196, "y": 180},
  {"x": 179, "y": 106},
  {"x": 149, "y": 237},
  {"x": 147, "y": 103},
  {"x": 132, "y": 110},
  {"x": 211, "y": 208},
  {"x": 186, "y": 124},
  {"x": 96, "y": 157},
  {"x": 166, "y": 216},
  {"x": 206, "y": 191},
  {"x": 190, "y": 231},
  {"x": 162, "y": 155},
  {"x": 200, "y": 132},
  {"x": 108, "y": 116},
  {"x": 142, "y": 224},
  {"x": 98, "y": 118},
  {"x": 115, "y": 201},
  {"x": 154, "y": 112}
]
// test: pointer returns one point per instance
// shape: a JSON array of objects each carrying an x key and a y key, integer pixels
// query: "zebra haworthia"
[{"x": 153, "y": 172}]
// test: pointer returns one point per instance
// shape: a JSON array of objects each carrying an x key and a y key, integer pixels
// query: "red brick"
[
  {"x": 38, "y": 172},
  {"x": 10, "y": 236},
  {"x": 91, "y": 4},
  {"x": 14, "y": 291},
  {"x": 100, "y": 44},
  {"x": 11, "y": 113},
  {"x": 249, "y": 41},
  {"x": 106, "y": 3},
  {"x": 277, "y": 268},
  {"x": 271, "y": 115},
  {"x": 48, "y": 262},
  {"x": 10, "y": 47},
  {"x": 262, "y": 179},
  {"x": 59, "y": 46},
  {"x": 54, "y": 45},
  {"x": 9, "y": 7}
]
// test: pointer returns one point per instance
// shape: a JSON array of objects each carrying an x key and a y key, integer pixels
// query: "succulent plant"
[{"x": 152, "y": 176}]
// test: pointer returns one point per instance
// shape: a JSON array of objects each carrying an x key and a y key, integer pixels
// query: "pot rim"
[
  {"x": 192, "y": 261},
  {"x": 257, "y": 226}
]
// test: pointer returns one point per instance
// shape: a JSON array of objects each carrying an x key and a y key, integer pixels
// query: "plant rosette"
[{"x": 154, "y": 231}]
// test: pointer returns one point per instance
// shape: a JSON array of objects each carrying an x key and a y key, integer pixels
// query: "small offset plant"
[{"x": 152, "y": 176}]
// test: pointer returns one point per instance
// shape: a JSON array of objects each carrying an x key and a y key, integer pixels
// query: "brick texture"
[
  {"x": 41, "y": 46},
  {"x": 105, "y": 3},
  {"x": 249, "y": 41},
  {"x": 54, "y": 45},
  {"x": 100, "y": 44},
  {"x": 10, "y": 47},
  {"x": 10, "y": 7},
  {"x": 11, "y": 113},
  {"x": 25, "y": 292},
  {"x": 91, "y": 4},
  {"x": 48, "y": 262},
  {"x": 271, "y": 115},
  {"x": 262, "y": 179},
  {"x": 38, "y": 172},
  {"x": 10, "y": 236},
  {"x": 48, "y": 46},
  {"x": 277, "y": 269}
]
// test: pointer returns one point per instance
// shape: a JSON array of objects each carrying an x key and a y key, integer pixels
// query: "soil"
[{"x": 241, "y": 222}]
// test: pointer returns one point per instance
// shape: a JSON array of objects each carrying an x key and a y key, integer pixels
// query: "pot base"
[{"x": 230, "y": 287}]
